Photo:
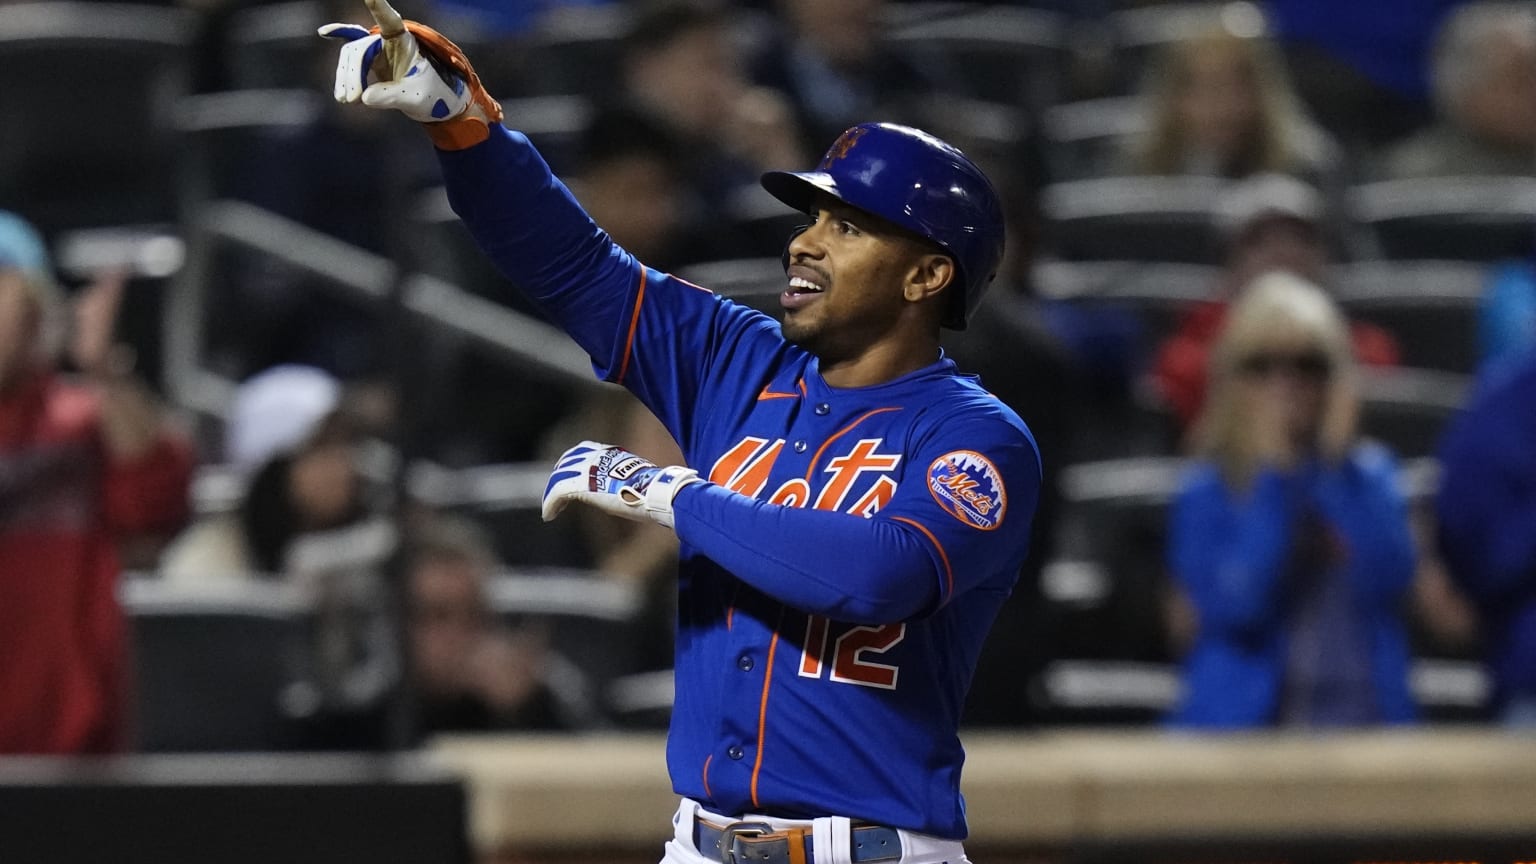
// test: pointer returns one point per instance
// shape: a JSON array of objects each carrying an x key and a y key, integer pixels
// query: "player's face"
[{"x": 846, "y": 276}]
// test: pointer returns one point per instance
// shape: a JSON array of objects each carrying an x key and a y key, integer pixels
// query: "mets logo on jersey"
[{"x": 967, "y": 485}]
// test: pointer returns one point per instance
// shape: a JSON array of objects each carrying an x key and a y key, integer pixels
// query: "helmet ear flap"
[{"x": 799, "y": 229}]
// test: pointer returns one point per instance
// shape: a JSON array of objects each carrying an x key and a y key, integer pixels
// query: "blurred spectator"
[
  {"x": 1360, "y": 65},
  {"x": 306, "y": 518},
  {"x": 1487, "y": 510},
  {"x": 1220, "y": 105},
  {"x": 681, "y": 66},
  {"x": 294, "y": 445},
  {"x": 469, "y": 672},
  {"x": 1506, "y": 325},
  {"x": 632, "y": 186},
  {"x": 830, "y": 60},
  {"x": 1270, "y": 223},
  {"x": 1290, "y": 539},
  {"x": 85, "y": 467},
  {"x": 1485, "y": 98}
]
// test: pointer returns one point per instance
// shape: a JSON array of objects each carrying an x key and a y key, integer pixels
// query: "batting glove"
[
  {"x": 615, "y": 481},
  {"x": 426, "y": 77}
]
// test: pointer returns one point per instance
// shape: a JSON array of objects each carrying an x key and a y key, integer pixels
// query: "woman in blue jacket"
[{"x": 1289, "y": 538}]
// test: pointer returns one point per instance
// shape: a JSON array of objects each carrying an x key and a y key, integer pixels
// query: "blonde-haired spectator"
[
  {"x": 1220, "y": 105},
  {"x": 1289, "y": 539}
]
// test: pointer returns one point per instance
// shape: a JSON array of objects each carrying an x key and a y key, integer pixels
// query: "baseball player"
[{"x": 853, "y": 511}]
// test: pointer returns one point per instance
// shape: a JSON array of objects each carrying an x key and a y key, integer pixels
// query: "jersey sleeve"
[
  {"x": 651, "y": 332},
  {"x": 961, "y": 519},
  {"x": 970, "y": 493}
]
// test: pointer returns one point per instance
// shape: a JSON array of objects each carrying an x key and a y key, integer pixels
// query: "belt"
[{"x": 759, "y": 843}]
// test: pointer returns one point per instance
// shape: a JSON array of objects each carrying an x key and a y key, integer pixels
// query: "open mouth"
[{"x": 805, "y": 285}]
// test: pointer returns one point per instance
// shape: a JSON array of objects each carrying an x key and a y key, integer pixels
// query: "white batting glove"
[
  {"x": 421, "y": 90},
  {"x": 615, "y": 481}
]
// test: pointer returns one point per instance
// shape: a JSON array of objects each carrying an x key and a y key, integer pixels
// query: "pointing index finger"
[{"x": 390, "y": 24}]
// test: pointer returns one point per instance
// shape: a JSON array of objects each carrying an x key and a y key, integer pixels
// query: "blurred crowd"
[{"x": 1269, "y": 307}]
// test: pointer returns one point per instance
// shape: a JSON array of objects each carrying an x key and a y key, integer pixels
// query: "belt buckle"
[{"x": 729, "y": 834}]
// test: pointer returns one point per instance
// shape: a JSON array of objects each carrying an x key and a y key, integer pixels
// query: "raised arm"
[
  {"x": 540, "y": 239},
  {"x": 524, "y": 219}
]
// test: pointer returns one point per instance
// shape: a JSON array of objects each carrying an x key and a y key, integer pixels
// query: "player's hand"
[
  {"x": 615, "y": 481},
  {"x": 392, "y": 72},
  {"x": 409, "y": 67}
]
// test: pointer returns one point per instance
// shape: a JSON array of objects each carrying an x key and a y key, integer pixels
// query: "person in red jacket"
[
  {"x": 86, "y": 467},
  {"x": 1271, "y": 222}
]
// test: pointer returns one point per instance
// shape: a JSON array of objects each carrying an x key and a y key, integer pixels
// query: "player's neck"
[{"x": 879, "y": 363}]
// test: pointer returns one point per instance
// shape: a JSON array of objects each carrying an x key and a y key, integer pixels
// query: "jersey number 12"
[{"x": 849, "y": 650}]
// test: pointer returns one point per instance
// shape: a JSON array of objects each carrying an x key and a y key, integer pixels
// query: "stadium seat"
[
  {"x": 1158, "y": 293},
  {"x": 222, "y": 133},
  {"x": 1132, "y": 218},
  {"x": 1087, "y": 138},
  {"x": 111, "y": 163},
  {"x": 1139, "y": 34},
  {"x": 1407, "y": 409},
  {"x": 1106, "y": 592},
  {"x": 576, "y": 51},
  {"x": 1003, "y": 54},
  {"x": 213, "y": 667},
  {"x": 1460, "y": 218},
  {"x": 593, "y": 625},
  {"x": 1430, "y": 306},
  {"x": 274, "y": 46}
]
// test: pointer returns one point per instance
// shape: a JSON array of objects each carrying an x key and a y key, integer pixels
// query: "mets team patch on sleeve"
[{"x": 967, "y": 485}]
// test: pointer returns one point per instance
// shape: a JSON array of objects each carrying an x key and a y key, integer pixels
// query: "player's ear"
[{"x": 929, "y": 274}]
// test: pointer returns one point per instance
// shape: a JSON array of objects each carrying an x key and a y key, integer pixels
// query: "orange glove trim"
[{"x": 465, "y": 130}]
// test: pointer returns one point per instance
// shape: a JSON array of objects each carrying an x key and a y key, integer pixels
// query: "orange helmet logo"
[{"x": 841, "y": 146}]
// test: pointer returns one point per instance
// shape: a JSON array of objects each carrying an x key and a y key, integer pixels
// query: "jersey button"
[
  {"x": 735, "y": 752},
  {"x": 823, "y": 409},
  {"x": 744, "y": 663},
  {"x": 799, "y": 446}
]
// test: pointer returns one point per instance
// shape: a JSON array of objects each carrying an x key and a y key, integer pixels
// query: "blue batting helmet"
[{"x": 922, "y": 184}]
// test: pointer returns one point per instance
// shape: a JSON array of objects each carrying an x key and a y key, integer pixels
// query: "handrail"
[
  {"x": 1443, "y": 196},
  {"x": 359, "y": 275},
  {"x": 120, "y": 23},
  {"x": 1155, "y": 479}
]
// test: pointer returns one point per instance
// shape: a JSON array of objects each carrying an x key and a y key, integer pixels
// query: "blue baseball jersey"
[{"x": 839, "y": 571}]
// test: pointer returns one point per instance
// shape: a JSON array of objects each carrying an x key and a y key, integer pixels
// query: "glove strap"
[
  {"x": 663, "y": 488},
  {"x": 460, "y": 133}
]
